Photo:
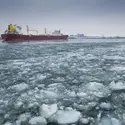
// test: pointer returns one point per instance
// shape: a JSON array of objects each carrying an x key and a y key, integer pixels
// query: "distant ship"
[
  {"x": 78, "y": 36},
  {"x": 13, "y": 34},
  {"x": 72, "y": 37}
]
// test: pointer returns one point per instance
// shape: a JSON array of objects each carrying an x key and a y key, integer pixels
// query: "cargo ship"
[{"x": 13, "y": 34}]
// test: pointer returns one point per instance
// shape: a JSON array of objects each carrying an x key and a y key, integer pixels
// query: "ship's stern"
[{"x": 4, "y": 37}]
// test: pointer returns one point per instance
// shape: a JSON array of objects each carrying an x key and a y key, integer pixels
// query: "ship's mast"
[{"x": 27, "y": 28}]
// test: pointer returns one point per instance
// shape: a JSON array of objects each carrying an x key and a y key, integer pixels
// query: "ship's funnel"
[{"x": 10, "y": 27}]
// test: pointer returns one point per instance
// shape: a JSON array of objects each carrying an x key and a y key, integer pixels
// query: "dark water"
[{"x": 86, "y": 75}]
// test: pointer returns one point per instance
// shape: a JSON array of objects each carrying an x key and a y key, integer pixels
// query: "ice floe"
[
  {"x": 94, "y": 89},
  {"x": 105, "y": 105},
  {"x": 87, "y": 107},
  {"x": 116, "y": 57},
  {"x": 68, "y": 117},
  {"x": 8, "y": 123},
  {"x": 109, "y": 121},
  {"x": 50, "y": 94},
  {"x": 37, "y": 121},
  {"x": 18, "y": 104},
  {"x": 105, "y": 121},
  {"x": 20, "y": 87},
  {"x": 117, "y": 86},
  {"x": 84, "y": 121},
  {"x": 118, "y": 68},
  {"x": 115, "y": 121},
  {"x": 81, "y": 94},
  {"x": 48, "y": 110},
  {"x": 24, "y": 118},
  {"x": 41, "y": 77}
]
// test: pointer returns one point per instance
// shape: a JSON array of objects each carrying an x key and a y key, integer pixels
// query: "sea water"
[{"x": 79, "y": 81}]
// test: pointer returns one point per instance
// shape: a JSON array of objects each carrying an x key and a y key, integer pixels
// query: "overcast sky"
[{"x": 91, "y": 17}]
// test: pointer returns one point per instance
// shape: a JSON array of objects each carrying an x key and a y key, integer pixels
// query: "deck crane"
[{"x": 27, "y": 29}]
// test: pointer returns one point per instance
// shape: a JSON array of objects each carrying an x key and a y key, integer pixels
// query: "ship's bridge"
[{"x": 57, "y": 32}]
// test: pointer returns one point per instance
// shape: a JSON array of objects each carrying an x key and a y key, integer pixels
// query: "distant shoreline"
[{"x": 86, "y": 37}]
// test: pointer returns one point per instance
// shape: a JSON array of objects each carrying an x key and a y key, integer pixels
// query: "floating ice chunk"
[
  {"x": 41, "y": 86},
  {"x": 52, "y": 119},
  {"x": 95, "y": 86},
  {"x": 18, "y": 62},
  {"x": 117, "y": 57},
  {"x": 2, "y": 90},
  {"x": 117, "y": 86},
  {"x": 118, "y": 68},
  {"x": 19, "y": 123},
  {"x": 81, "y": 94},
  {"x": 109, "y": 121},
  {"x": 105, "y": 121},
  {"x": 84, "y": 121},
  {"x": 68, "y": 117},
  {"x": 95, "y": 89},
  {"x": 48, "y": 110},
  {"x": 61, "y": 107},
  {"x": 50, "y": 94},
  {"x": 38, "y": 121},
  {"x": 1, "y": 101},
  {"x": 123, "y": 116},
  {"x": 34, "y": 104},
  {"x": 41, "y": 77},
  {"x": 86, "y": 107},
  {"x": 92, "y": 104},
  {"x": 90, "y": 57},
  {"x": 30, "y": 92},
  {"x": 54, "y": 84},
  {"x": 71, "y": 93},
  {"x": 6, "y": 116},
  {"x": 36, "y": 89},
  {"x": 60, "y": 79},
  {"x": 8, "y": 123},
  {"x": 99, "y": 116},
  {"x": 105, "y": 105},
  {"x": 83, "y": 69},
  {"x": 69, "y": 108},
  {"x": 23, "y": 118},
  {"x": 20, "y": 87},
  {"x": 115, "y": 121},
  {"x": 18, "y": 104}
]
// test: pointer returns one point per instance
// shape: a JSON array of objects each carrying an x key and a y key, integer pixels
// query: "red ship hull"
[{"x": 21, "y": 37}]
